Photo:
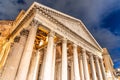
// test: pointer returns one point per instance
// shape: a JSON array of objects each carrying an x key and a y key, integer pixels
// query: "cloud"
[
  {"x": 9, "y": 9},
  {"x": 107, "y": 38},
  {"x": 93, "y": 13},
  {"x": 117, "y": 64}
]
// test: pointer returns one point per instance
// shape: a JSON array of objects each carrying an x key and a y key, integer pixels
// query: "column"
[
  {"x": 33, "y": 71},
  {"x": 81, "y": 67},
  {"x": 75, "y": 63},
  {"x": 93, "y": 71},
  {"x": 13, "y": 60},
  {"x": 85, "y": 65},
  {"x": 64, "y": 60},
  {"x": 48, "y": 58},
  {"x": 42, "y": 64},
  {"x": 27, "y": 53},
  {"x": 53, "y": 64},
  {"x": 98, "y": 68},
  {"x": 103, "y": 69},
  {"x": 72, "y": 72},
  {"x": 59, "y": 71}
]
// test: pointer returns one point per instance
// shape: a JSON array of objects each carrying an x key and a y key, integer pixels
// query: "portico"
[{"x": 57, "y": 47}]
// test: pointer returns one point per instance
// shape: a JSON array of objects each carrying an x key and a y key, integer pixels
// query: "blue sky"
[{"x": 101, "y": 17}]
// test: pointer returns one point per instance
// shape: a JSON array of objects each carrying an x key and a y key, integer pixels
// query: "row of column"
[{"x": 48, "y": 70}]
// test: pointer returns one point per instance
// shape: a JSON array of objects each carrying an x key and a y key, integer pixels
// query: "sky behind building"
[{"x": 101, "y": 17}]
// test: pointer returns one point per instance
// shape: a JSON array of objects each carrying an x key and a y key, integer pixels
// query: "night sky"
[{"x": 101, "y": 17}]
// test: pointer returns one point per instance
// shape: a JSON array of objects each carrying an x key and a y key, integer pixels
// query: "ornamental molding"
[{"x": 6, "y": 23}]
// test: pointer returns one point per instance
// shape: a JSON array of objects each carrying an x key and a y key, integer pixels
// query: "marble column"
[
  {"x": 27, "y": 53},
  {"x": 72, "y": 71},
  {"x": 64, "y": 60},
  {"x": 42, "y": 64},
  {"x": 58, "y": 72},
  {"x": 103, "y": 69},
  {"x": 85, "y": 65},
  {"x": 48, "y": 58},
  {"x": 13, "y": 60},
  {"x": 75, "y": 63},
  {"x": 98, "y": 68},
  {"x": 33, "y": 71},
  {"x": 81, "y": 67},
  {"x": 93, "y": 70},
  {"x": 53, "y": 64}
]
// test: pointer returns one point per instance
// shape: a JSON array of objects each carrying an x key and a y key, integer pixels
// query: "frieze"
[{"x": 6, "y": 23}]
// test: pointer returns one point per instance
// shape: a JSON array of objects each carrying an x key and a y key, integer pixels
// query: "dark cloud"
[
  {"x": 101, "y": 17},
  {"x": 21, "y": 2},
  {"x": 117, "y": 64},
  {"x": 112, "y": 22}
]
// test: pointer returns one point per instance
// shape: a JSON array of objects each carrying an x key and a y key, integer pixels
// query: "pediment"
[
  {"x": 72, "y": 23},
  {"x": 77, "y": 28}
]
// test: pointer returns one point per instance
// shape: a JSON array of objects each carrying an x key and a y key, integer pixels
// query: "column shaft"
[
  {"x": 58, "y": 76},
  {"x": 27, "y": 53},
  {"x": 93, "y": 71},
  {"x": 13, "y": 60},
  {"x": 53, "y": 63},
  {"x": 81, "y": 67},
  {"x": 75, "y": 63},
  {"x": 103, "y": 69},
  {"x": 48, "y": 58},
  {"x": 42, "y": 64},
  {"x": 64, "y": 60},
  {"x": 72, "y": 71},
  {"x": 98, "y": 69},
  {"x": 33, "y": 72},
  {"x": 85, "y": 65}
]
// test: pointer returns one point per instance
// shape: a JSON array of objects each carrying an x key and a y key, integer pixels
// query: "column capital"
[
  {"x": 24, "y": 32},
  {"x": 96, "y": 57},
  {"x": 34, "y": 22},
  {"x": 91, "y": 55},
  {"x": 101, "y": 60},
  {"x": 83, "y": 50},
  {"x": 64, "y": 40},
  {"x": 54, "y": 45},
  {"x": 51, "y": 34},
  {"x": 74, "y": 45},
  {"x": 80, "y": 56},
  {"x": 17, "y": 39}
]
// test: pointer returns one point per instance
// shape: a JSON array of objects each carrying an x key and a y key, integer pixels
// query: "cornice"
[{"x": 6, "y": 22}]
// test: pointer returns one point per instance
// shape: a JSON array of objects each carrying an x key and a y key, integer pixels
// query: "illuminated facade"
[{"x": 45, "y": 44}]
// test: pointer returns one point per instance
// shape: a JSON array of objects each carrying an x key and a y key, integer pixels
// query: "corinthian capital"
[
  {"x": 51, "y": 34},
  {"x": 34, "y": 22}
]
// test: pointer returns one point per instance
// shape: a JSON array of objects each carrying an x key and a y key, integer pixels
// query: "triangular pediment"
[
  {"x": 78, "y": 28},
  {"x": 72, "y": 23}
]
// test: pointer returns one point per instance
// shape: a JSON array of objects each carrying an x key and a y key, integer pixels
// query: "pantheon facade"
[{"x": 45, "y": 44}]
